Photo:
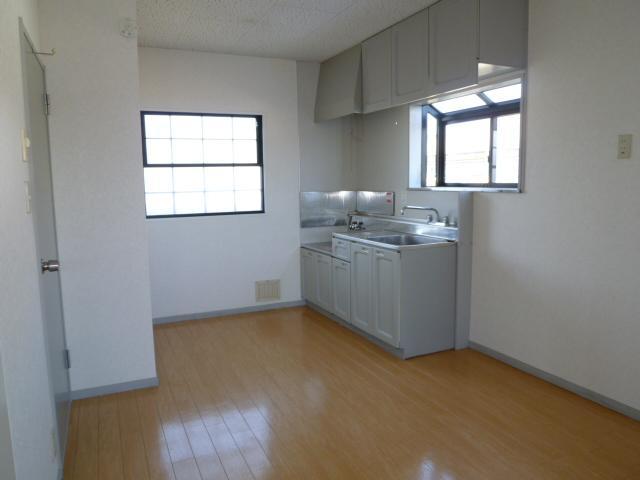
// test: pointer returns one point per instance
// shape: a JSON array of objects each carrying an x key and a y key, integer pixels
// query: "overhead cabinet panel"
[
  {"x": 340, "y": 85},
  {"x": 503, "y": 32},
  {"x": 453, "y": 45},
  {"x": 376, "y": 72},
  {"x": 410, "y": 54}
]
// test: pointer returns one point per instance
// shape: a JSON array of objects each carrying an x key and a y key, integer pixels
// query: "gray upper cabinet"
[
  {"x": 503, "y": 32},
  {"x": 376, "y": 72},
  {"x": 340, "y": 85},
  {"x": 453, "y": 45},
  {"x": 410, "y": 55}
]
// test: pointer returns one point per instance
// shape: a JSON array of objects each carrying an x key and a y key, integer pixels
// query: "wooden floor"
[{"x": 289, "y": 394}]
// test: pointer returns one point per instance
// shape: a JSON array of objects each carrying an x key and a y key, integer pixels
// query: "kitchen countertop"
[
  {"x": 363, "y": 237},
  {"x": 320, "y": 247}
]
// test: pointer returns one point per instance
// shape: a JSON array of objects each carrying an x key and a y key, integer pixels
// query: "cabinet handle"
[
  {"x": 380, "y": 255},
  {"x": 365, "y": 250}
]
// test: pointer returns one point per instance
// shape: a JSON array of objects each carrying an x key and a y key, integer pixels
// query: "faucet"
[{"x": 428, "y": 209}]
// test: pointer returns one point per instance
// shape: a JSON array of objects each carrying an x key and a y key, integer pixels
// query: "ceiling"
[{"x": 296, "y": 29}]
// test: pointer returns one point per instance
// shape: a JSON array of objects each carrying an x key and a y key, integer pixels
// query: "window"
[
  {"x": 473, "y": 141},
  {"x": 202, "y": 164}
]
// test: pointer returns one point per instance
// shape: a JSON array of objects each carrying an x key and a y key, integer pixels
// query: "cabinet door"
[
  {"x": 376, "y": 72},
  {"x": 386, "y": 283},
  {"x": 453, "y": 45},
  {"x": 503, "y": 32},
  {"x": 325, "y": 291},
  {"x": 361, "y": 287},
  {"x": 309, "y": 276},
  {"x": 341, "y": 279},
  {"x": 410, "y": 59}
]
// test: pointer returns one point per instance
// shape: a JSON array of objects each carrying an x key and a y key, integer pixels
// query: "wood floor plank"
[
  {"x": 86, "y": 461},
  {"x": 110, "y": 461},
  {"x": 289, "y": 394}
]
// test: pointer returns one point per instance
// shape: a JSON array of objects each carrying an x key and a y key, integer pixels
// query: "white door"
[
  {"x": 43, "y": 213},
  {"x": 341, "y": 279},
  {"x": 386, "y": 278},
  {"x": 309, "y": 277},
  {"x": 325, "y": 292},
  {"x": 361, "y": 287}
]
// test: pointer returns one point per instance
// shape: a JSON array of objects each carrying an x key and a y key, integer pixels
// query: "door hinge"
[
  {"x": 67, "y": 359},
  {"x": 47, "y": 103}
]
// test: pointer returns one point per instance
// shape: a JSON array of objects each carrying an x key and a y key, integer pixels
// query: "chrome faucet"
[{"x": 428, "y": 209}]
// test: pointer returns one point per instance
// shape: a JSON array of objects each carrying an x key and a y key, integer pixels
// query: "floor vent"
[{"x": 267, "y": 290}]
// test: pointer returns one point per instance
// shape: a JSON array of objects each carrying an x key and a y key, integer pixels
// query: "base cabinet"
[
  {"x": 309, "y": 275},
  {"x": 361, "y": 288},
  {"x": 324, "y": 298},
  {"x": 386, "y": 296},
  {"x": 341, "y": 279}
]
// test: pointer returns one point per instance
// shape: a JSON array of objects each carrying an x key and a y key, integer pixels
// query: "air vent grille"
[{"x": 267, "y": 290}]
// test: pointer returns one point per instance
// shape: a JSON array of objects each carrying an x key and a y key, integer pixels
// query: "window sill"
[{"x": 467, "y": 189}]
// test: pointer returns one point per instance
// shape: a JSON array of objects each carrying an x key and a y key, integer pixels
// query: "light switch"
[
  {"x": 624, "y": 146},
  {"x": 26, "y": 145}
]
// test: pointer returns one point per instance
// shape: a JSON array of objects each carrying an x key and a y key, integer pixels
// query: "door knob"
[{"x": 50, "y": 265}]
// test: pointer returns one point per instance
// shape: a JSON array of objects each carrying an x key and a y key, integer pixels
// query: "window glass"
[
  {"x": 467, "y": 146},
  {"x": 505, "y": 94},
  {"x": 198, "y": 164},
  {"x": 460, "y": 103},
  {"x": 431, "y": 149},
  {"x": 507, "y": 149}
]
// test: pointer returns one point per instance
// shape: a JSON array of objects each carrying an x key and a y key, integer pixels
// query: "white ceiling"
[{"x": 295, "y": 29}]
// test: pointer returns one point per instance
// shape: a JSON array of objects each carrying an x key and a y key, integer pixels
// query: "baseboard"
[
  {"x": 230, "y": 311},
  {"x": 114, "y": 388},
  {"x": 560, "y": 382}
]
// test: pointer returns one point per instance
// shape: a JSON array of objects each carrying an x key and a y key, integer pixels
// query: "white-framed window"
[
  {"x": 473, "y": 141},
  {"x": 198, "y": 164}
]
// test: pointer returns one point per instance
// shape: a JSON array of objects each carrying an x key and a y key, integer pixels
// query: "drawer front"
[{"x": 341, "y": 249}]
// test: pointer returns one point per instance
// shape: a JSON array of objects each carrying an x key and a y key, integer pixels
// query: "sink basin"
[{"x": 404, "y": 239}]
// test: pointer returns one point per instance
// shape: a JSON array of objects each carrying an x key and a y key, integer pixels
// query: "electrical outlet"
[
  {"x": 26, "y": 145},
  {"x": 624, "y": 146}
]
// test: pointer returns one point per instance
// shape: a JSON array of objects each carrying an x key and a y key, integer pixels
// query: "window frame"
[
  {"x": 492, "y": 109},
  {"x": 259, "y": 163}
]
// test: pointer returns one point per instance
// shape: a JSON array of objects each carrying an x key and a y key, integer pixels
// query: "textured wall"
[
  {"x": 95, "y": 142},
  {"x": 555, "y": 270},
  {"x": 203, "y": 264}
]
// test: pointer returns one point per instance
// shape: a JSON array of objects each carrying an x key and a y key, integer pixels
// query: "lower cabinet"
[
  {"x": 386, "y": 296},
  {"x": 341, "y": 279},
  {"x": 317, "y": 281},
  {"x": 309, "y": 275},
  {"x": 361, "y": 287},
  {"x": 324, "y": 297}
]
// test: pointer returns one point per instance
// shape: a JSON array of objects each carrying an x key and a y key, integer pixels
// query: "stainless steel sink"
[{"x": 404, "y": 239}]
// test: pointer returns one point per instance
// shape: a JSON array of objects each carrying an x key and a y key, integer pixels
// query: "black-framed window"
[
  {"x": 474, "y": 140},
  {"x": 202, "y": 164}
]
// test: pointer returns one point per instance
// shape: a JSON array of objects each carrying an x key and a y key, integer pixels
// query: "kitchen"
[{"x": 326, "y": 238}]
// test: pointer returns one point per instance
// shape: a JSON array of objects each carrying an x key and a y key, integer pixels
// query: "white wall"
[
  {"x": 7, "y": 468},
  {"x": 21, "y": 330},
  {"x": 326, "y": 156},
  {"x": 556, "y": 269},
  {"x": 204, "y": 264},
  {"x": 97, "y": 176},
  {"x": 382, "y": 162}
]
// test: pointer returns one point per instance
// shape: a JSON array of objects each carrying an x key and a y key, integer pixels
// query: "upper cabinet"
[
  {"x": 448, "y": 46},
  {"x": 376, "y": 72},
  {"x": 340, "y": 85},
  {"x": 410, "y": 58},
  {"x": 503, "y": 32},
  {"x": 453, "y": 45}
]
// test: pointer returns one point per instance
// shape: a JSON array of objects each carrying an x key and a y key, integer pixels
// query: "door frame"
[{"x": 24, "y": 34}]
